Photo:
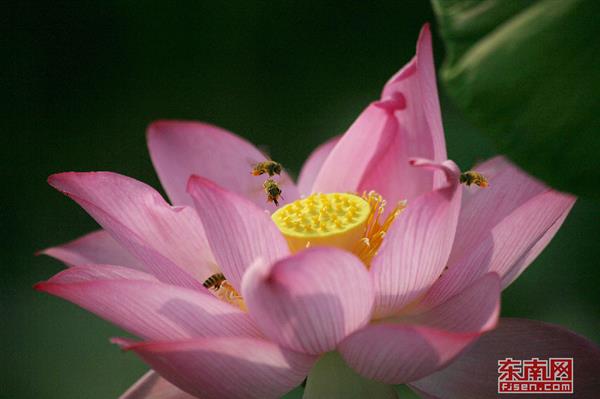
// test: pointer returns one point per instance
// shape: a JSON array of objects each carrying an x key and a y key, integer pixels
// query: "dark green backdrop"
[{"x": 84, "y": 81}]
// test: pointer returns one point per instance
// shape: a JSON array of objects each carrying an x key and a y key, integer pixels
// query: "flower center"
[
  {"x": 323, "y": 220},
  {"x": 355, "y": 223},
  {"x": 340, "y": 220}
]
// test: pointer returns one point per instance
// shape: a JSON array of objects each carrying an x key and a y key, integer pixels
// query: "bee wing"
[
  {"x": 265, "y": 150},
  {"x": 255, "y": 160}
]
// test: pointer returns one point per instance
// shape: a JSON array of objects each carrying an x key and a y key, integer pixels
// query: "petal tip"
[
  {"x": 41, "y": 252},
  {"x": 124, "y": 344},
  {"x": 41, "y": 286},
  {"x": 167, "y": 126},
  {"x": 162, "y": 127},
  {"x": 48, "y": 287},
  {"x": 55, "y": 178},
  {"x": 426, "y": 27},
  {"x": 449, "y": 167},
  {"x": 63, "y": 180},
  {"x": 424, "y": 36}
]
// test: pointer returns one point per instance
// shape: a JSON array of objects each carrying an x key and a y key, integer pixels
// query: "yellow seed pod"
[{"x": 334, "y": 219}]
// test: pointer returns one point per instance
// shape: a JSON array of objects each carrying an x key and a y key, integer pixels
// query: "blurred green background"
[{"x": 84, "y": 79}]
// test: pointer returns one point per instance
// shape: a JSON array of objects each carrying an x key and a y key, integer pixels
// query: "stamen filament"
[{"x": 366, "y": 248}]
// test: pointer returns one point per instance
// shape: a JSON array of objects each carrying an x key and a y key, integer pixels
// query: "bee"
[
  {"x": 269, "y": 167},
  {"x": 472, "y": 177},
  {"x": 272, "y": 190},
  {"x": 214, "y": 281}
]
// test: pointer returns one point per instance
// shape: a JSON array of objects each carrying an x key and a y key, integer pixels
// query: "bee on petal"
[
  {"x": 472, "y": 177},
  {"x": 214, "y": 281}
]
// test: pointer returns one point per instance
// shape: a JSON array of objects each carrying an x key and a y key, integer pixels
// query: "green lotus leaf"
[{"x": 527, "y": 73}]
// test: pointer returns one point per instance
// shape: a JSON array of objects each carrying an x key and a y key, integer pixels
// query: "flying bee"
[
  {"x": 269, "y": 167},
  {"x": 272, "y": 190},
  {"x": 214, "y": 281},
  {"x": 472, "y": 177}
]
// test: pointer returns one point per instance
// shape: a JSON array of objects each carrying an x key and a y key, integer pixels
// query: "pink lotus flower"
[{"x": 355, "y": 292}]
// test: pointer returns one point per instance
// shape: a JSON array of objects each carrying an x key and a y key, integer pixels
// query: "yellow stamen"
[
  {"x": 367, "y": 247},
  {"x": 340, "y": 220}
]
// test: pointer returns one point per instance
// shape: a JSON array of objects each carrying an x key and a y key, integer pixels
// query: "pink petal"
[
  {"x": 310, "y": 301},
  {"x": 484, "y": 208},
  {"x": 405, "y": 123},
  {"x": 357, "y": 150},
  {"x": 389, "y": 173},
  {"x": 180, "y": 149},
  {"x": 148, "y": 309},
  {"x": 237, "y": 230},
  {"x": 94, "y": 272},
  {"x": 529, "y": 256},
  {"x": 313, "y": 164},
  {"x": 501, "y": 228},
  {"x": 416, "y": 248},
  {"x": 474, "y": 310},
  {"x": 227, "y": 367},
  {"x": 153, "y": 386},
  {"x": 396, "y": 351},
  {"x": 96, "y": 247},
  {"x": 420, "y": 131},
  {"x": 422, "y": 118},
  {"x": 475, "y": 373},
  {"x": 170, "y": 241}
]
